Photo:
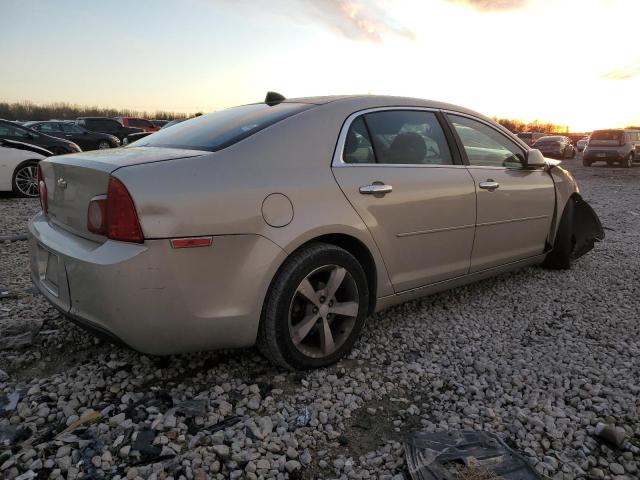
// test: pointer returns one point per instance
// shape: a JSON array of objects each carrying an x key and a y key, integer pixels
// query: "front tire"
[
  {"x": 561, "y": 256},
  {"x": 628, "y": 162},
  {"x": 315, "y": 309},
  {"x": 25, "y": 179},
  {"x": 103, "y": 145}
]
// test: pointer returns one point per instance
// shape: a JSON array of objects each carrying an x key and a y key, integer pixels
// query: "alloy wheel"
[
  {"x": 26, "y": 180},
  {"x": 323, "y": 311},
  {"x": 103, "y": 145}
]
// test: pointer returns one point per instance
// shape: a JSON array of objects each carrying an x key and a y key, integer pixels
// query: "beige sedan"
[{"x": 286, "y": 223}]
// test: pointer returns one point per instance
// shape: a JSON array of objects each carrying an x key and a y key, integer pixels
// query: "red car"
[{"x": 142, "y": 123}]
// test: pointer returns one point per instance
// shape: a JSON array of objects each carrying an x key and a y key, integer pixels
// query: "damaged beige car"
[{"x": 286, "y": 223}]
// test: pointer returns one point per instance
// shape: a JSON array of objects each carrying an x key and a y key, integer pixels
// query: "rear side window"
[
  {"x": 218, "y": 130},
  {"x": 400, "y": 137},
  {"x": 48, "y": 128}
]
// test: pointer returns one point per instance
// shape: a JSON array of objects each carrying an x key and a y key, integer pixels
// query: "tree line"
[
  {"x": 517, "y": 126},
  {"x": 68, "y": 111}
]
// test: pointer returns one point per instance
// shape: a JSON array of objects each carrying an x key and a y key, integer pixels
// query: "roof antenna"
[{"x": 274, "y": 98}]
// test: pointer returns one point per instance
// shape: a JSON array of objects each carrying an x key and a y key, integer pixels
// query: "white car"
[
  {"x": 19, "y": 167},
  {"x": 582, "y": 143}
]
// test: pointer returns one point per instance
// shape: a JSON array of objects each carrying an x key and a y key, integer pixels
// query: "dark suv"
[
  {"x": 613, "y": 146},
  {"x": 106, "y": 125}
]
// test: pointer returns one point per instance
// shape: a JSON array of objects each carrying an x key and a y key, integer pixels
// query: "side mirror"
[{"x": 535, "y": 158}]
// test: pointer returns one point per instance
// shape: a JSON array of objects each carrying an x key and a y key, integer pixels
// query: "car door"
[
  {"x": 80, "y": 137},
  {"x": 515, "y": 204},
  {"x": 10, "y": 158},
  {"x": 396, "y": 168}
]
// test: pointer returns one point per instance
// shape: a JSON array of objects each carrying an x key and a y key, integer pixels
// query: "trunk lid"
[{"x": 73, "y": 180}]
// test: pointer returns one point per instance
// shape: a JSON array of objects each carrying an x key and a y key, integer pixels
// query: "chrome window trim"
[{"x": 339, "y": 151}]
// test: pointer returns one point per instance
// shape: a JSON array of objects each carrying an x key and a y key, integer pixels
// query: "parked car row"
[{"x": 24, "y": 144}]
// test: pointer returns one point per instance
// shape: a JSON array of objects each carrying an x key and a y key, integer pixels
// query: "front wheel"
[
  {"x": 628, "y": 162},
  {"x": 103, "y": 145},
  {"x": 315, "y": 309},
  {"x": 25, "y": 179}
]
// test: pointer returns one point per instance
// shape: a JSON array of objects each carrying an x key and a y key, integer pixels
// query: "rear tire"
[
  {"x": 24, "y": 182},
  {"x": 586, "y": 163},
  {"x": 561, "y": 256},
  {"x": 282, "y": 336}
]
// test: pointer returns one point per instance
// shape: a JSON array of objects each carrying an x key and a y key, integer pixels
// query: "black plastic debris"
[
  {"x": 144, "y": 444},
  {"x": 440, "y": 455},
  {"x": 192, "y": 408},
  {"x": 226, "y": 423}
]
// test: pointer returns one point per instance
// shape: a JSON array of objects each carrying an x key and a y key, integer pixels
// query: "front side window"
[
  {"x": 218, "y": 130},
  {"x": 400, "y": 137},
  {"x": 70, "y": 128},
  {"x": 485, "y": 146}
]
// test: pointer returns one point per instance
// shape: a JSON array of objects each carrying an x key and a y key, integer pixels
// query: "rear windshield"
[
  {"x": 218, "y": 130},
  {"x": 607, "y": 135}
]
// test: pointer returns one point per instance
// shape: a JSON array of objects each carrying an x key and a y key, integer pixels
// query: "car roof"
[
  {"x": 373, "y": 101},
  {"x": 95, "y": 118}
]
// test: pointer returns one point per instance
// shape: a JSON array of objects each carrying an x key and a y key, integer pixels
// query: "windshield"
[{"x": 218, "y": 130}]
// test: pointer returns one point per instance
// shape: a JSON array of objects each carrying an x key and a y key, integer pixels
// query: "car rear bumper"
[
  {"x": 603, "y": 155},
  {"x": 153, "y": 298}
]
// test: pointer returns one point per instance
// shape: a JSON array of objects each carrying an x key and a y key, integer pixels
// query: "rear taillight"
[
  {"x": 42, "y": 190},
  {"x": 114, "y": 215},
  {"x": 122, "y": 218}
]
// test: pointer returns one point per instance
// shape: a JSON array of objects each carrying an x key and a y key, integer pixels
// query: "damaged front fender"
[{"x": 587, "y": 228}]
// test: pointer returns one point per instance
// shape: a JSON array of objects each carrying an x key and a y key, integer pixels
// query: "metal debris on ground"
[
  {"x": 83, "y": 421},
  {"x": 464, "y": 456}
]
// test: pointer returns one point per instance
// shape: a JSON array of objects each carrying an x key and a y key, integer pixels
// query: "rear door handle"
[
  {"x": 376, "y": 189},
  {"x": 490, "y": 185}
]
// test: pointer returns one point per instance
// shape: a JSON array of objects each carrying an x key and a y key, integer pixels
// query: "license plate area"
[{"x": 48, "y": 270}]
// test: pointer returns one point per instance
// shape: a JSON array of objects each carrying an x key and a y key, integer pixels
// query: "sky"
[{"x": 570, "y": 62}]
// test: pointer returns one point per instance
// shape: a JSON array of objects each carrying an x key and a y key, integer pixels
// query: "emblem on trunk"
[{"x": 62, "y": 183}]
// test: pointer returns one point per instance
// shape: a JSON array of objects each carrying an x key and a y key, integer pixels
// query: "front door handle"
[
  {"x": 376, "y": 189},
  {"x": 490, "y": 185}
]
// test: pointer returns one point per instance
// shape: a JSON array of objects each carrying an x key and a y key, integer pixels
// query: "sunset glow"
[{"x": 570, "y": 62}]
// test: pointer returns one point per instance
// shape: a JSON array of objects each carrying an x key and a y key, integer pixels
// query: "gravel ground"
[{"x": 539, "y": 357}]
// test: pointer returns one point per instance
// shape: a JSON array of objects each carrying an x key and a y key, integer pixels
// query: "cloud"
[
  {"x": 492, "y": 5},
  {"x": 624, "y": 73},
  {"x": 357, "y": 20}
]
